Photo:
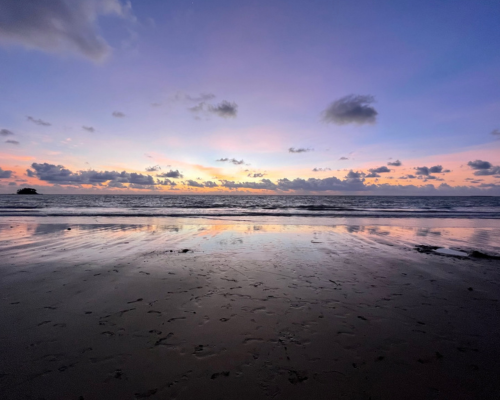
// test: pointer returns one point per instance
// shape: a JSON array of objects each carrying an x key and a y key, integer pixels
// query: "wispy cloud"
[
  {"x": 88, "y": 128},
  {"x": 6, "y": 132},
  {"x": 12, "y": 142},
  {"x": 299, "y": 150},
  {"x": 38, "y": 121},
  {"x": 496, "y": 132},
  {"x": 59, "y": 25},
  {"x": 154, "y": 168},
  {"x": 231, "y": 160},
  {"x": 225, "y": 109},
  {"x": 118, "y": 114},
  {"x": 321, "y": 169},
  {"x": 352, "y": 109},
  {"x": 343, "y": 158}
]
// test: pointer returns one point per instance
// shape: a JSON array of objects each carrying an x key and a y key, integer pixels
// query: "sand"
[{"x": 122, "y": 311}]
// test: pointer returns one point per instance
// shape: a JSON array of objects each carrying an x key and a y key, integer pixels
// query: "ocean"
[{"x": 473, "y": 207}]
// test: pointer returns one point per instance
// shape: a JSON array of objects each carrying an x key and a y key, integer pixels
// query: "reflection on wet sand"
[{"x": 249, "y": 311}]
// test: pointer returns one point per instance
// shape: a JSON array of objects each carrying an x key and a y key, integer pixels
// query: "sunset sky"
[{"x": 270, "y": 97}]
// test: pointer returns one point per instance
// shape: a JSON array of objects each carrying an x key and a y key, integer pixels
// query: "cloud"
[
  {"x": 299, "y": 150},
  {"x": 5, "y": 174},
  {"x": 343, "y": 158},
  {"x": 321, "y": 169},
  {"x": 38, "y": 121},
  {"x": 118, "y": 114},
  {"x": 256, "y": 175},
  {"x": 496, "y": 132},
  {"x": 201, "y": 98},
  {"x": 192, "y": 183},
  {"x": 483, "y": 168},
  {"x": 59, "y": 25},
  {"x": 154, "y": 168},
  {"x": 425, "y": 171},
  {"x": 6, "y": 132},
  {"x": 479, "y": 164},
  {"x": 396, "y": 163},
  {"x": 89, "y": 128},
  {"x": 352, "y": 109},
  {"x": 166, "y": 182},
  {"x": 12, "y": 142},
  {"x": 373, "y": 175},
  {"x": 231, "y": 160},
  {"x": 380, "y": 170},
  {"x": 170, "y": 174},
  {"x": 409, "y": 176},
  {"x": 210, "y": 184},
  {"x": 225, "y": 109},
  {"x": 57, "y": 174}
]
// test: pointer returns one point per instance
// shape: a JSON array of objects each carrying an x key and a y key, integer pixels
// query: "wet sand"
[{"x": 120, "y": 311}]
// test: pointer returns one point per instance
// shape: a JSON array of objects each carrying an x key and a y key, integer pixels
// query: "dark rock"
[{"x": 478, "y": 254}]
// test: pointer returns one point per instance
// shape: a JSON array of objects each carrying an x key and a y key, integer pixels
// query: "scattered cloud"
[
  {"x": 201, "y": 98},
  {"x": 483, "y": 168},
  {"x": 118, "y": 114},
  {"x": 225, "y": 109},
  {"x": 210, "y": 184},
  {"x": 5, "y": 174},
  {"x": 343, "y": 158},
  {"x": 409, "y": 176},
  {"x": 425, "y": 171},
  {"x": 352, "y": 109},
  {"x": 171, "y": 174},
  {"x": 396, "y": 163},
  {"x": 89, "y": 128},
  {"x": 231, "y": 160},
  {"x": 59, "y": 25},
  {"x": 154, "y": 168},
  {"x": 6, "y": 132},
  {"x": 479, "y": 164},
  {"x": 192, "y": 183},
  {"x": 256, "y": 175},
  {"x": 12, "y": 142},
  {"x": 321, "y": 169},
  {"x": 496, "y": 132},
  {"x": 299, "y": 150},
  {"x": 380, "y": 170},
  {"x": 57, "y": 174},
  {"x": 166, "y": 182},
  {"x": 38, "y": 121}
]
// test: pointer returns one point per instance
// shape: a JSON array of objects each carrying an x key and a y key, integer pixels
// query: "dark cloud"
[
  {"x": 225, "y": 109},
  {"x": 192, "y": 183},
  {"x": 154, "y": 168},
  {"x": 321, "y": 169},
  {"x": 409, "y": 176},
  {"x": 354, "y": 175},
  {"x": 483, "y": 168},
  {"x": 170, "y": 174},
  {"x": 166, "y": 182},
  {"x": 5, "y": 174},
  {"x": 12, "y": 184},
  {"x": 343, "y": 158},
  {"x": 6, "y": 132},
  {"x": 496, "y": 132},
  {"x": 210, "y": 184},
  {"x": 12, "y": 142},
  {"x": 373, "y": 175},
  {"x": 479, "y": 164},
  {"x": 380, "y": 170},
  {"x": 231, "y": 160},
  {"x": 425, "y": 171},
  {"x": 89, "y": 128},
  {"x": 256, "y": 175},
  {"x": 352, "y": 109},
  {"x": 299, "y": 150},
  {"x": 55, "y": 25},
  {"x": 38, "y": 121},
  {"x": 396, "y": 163},
  {"x": 57, "y": 174},
  {"x": 118, "y": 114}
]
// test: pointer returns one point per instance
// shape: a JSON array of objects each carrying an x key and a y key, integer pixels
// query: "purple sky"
[{"x": 250, "y": 97}]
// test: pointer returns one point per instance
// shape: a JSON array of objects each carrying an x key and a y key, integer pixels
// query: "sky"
[{"x": 250, "y": 97}]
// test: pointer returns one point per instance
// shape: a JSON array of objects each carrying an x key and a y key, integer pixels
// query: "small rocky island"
[{"x": 27, "y": 191}]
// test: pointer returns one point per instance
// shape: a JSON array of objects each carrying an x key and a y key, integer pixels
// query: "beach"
[{"x": 224, "y": 309}]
